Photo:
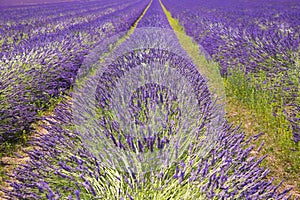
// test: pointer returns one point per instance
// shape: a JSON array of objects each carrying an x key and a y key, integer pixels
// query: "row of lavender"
[
  {"x": 30, "y": 23},
  {"x": 259, "y": 38},
  {"x": 154, "y": 17},
  {"x": 43, "y": 49},
  {"x": 62, "y": 166}
]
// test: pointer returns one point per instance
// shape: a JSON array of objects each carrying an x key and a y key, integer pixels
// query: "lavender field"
[{"x": 150, "y": 99}]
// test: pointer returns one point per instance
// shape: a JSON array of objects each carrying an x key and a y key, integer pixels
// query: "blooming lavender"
[
  {"x": 39, "y": 66},
  {"x": 60, "y": 167},
  {"x": 260, "y": 39},
  {"x": 140, "y": 123},
  {"x": 146, "y": 96}
]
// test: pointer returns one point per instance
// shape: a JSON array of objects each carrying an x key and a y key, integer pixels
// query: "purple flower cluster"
[
  {"x": 257, "y": 37},
  {"x": 154, "y": 17},
  {"x": 215, "y": 164},
  {"x": 60, "y": 167},
  {"x": 143, "y": 100},
  {"x": 41, "y": 53}
]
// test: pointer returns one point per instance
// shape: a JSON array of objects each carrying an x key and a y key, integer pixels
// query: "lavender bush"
[
  {"x": 43, "y": 65},
  {"x": 260, "y": 39},
  {"x": 61, "y": 168},
  {"x": 140, "y": 123}
]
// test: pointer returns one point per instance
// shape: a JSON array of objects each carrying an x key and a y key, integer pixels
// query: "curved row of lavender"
[
  {"x": 261, "y": 38},
  {"x": 61, "y": 167},
  {"x": 42, "y": 50}
]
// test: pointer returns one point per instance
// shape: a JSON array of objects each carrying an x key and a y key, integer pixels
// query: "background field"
[{"x": 246, "y": 52}]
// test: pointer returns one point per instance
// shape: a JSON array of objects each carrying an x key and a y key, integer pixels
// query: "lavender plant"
[
  {"x": 43, "y": 66},
  {"x": 141, "y": 123},
  {"x": 61, "y": 167},
  {"x": 260, "y": 39}
]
